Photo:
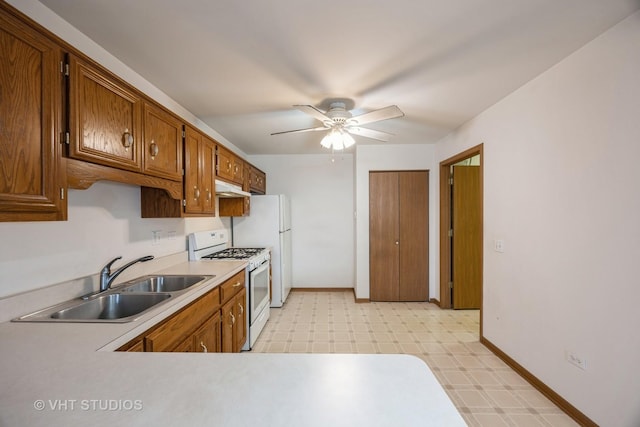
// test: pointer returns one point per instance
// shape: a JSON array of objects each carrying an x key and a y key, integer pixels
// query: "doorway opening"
[{"x": 461, "y": 230}]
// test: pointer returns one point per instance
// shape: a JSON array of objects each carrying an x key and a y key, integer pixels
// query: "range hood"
[{"x": 224, "y": 189}]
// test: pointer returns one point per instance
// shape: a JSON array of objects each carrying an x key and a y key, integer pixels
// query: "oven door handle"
[{"x": 260, "y": 268}]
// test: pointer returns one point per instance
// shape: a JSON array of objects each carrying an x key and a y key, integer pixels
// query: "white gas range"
[{"x": 211, "y": 246}]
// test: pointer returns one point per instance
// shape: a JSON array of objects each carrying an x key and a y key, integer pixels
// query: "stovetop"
[
  {"x": 212, "y": 245},
  {"x": 235, "y": 253}
]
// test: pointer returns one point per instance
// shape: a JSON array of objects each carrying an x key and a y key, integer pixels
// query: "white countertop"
[{"x": 66, "y": 374}]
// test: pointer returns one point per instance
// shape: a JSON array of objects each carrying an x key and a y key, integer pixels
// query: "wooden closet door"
[
  {"x": 414, "y": 236},
  {"x": 383, "y": 236},
  {"x": 467, "y": 238}
]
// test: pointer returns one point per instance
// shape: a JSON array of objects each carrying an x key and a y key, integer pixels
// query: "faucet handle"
[{"x": 107, "y": 268}]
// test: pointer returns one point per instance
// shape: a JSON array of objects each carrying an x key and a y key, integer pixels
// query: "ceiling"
[{"x": 241, "y": 65}]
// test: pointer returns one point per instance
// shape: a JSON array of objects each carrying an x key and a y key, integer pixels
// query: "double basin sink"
[{"x": 125, "y": 303}]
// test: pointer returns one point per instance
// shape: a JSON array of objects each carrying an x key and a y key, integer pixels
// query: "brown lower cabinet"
[
  {"x": 234, "y": 326},
  {"x": 215, "y": 322},
  {"x": 205, "y": 340}
]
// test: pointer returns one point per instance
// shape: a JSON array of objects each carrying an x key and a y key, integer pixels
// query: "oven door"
[{"x": 259, "y": 290}]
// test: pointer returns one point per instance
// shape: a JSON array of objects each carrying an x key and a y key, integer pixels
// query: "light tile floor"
[{"x": 486, "y": 391}]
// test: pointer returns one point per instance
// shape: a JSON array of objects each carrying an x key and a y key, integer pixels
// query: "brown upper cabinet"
[
  {"x": 111, "y": 125},
  {"x": 105, "y": 119},
  {"x": 32, "y": 176},
  {"x": 257, "y": 181},
  {"x": 229, "y": 167},
  {"x": 199, "y": 182},
  {"x": 162, "y": 143},
  {"x": 67, "y": 122},
  {"x": 237, "y": 206}
]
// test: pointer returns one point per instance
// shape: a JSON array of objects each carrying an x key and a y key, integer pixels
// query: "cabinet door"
[
  {"x": 224, "y": 163},
  {"x": 228, "y": 320},
  {"x": 162, "y": 144},
  {"x": 238, "y": 170},
  {"x": 207, "y": 338},
  {"x": 207, "y": 176},
  {"x": 105, "y": 117},
  {"x": 200, "y": 153},
  {"x": 240, "y": 327},
  {"x": 31, "y": 179},
  {"x": 192, "y": 160},
  {"x": 257, "y": 181},
  {"x": 185, "y": 346}
]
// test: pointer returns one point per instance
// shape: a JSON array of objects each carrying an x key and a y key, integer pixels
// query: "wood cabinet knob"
[
  {"x": 127, "y": 139},
  {"x": 153, "y": 149}
]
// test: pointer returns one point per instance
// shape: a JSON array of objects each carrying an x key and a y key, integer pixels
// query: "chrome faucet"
[{"x": 106, "y": 277}]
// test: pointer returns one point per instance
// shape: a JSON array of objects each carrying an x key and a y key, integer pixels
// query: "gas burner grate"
[{"x": 235, "y": 253}]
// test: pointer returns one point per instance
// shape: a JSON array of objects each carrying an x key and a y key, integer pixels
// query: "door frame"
[{"x": 445, "y": 212}]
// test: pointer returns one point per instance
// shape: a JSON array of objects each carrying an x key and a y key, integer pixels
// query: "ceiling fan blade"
[
  {"x": 370, "y": 133},
  {"x": 301, "y": 130},
  {"x": 313, "y": 112},
  {"x": 390, "y": 112}
]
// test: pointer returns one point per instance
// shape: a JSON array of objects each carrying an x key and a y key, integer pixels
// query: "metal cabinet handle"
[
  {"x": 235, "y": 285},
  {"x": 233, "y": 319},
  {"x": 127, "y": 139},
  {"x": 241, "y": 308},
  {"x": 196, "y": 193},
  {"x": 208, "y": 194},
  {"x": 153, "y": 149},
  {"x": 397, "y": 242},
  {"x": 204, "y": 347},
  {"x": 228, "y": 166}
]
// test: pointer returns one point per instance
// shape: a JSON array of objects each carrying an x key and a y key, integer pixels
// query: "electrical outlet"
[
  {"x": 498, "y": 245},
  {"x": 171, "y": 235},
  {"x": 576, "y": 360},
  {"x": 155, "y": 237}
]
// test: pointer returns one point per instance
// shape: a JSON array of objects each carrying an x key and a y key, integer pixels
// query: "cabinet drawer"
[
  {"x": 231, "y": 287},
  {"x": 174, "y": 330}
]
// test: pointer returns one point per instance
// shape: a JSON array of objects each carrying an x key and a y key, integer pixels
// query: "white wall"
[
  {"x": 391, "y": 157},
  {"x": 321, "y": 192},
  {"x": 562, "y": 190}
]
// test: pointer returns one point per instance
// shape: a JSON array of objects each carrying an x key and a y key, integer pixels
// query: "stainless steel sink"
[
  {"x": 112, "y": 307},
  {"x": 125, "y": 303},
  {"x": 163, "y": 283}
]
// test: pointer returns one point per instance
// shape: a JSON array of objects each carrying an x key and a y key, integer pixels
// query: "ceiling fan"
[{"x": 340, "y": 123}]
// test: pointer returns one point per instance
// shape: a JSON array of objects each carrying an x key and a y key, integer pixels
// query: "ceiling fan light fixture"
[
  {"x": 337, "y": 139},
  {"x": 340, "y": 123}
]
